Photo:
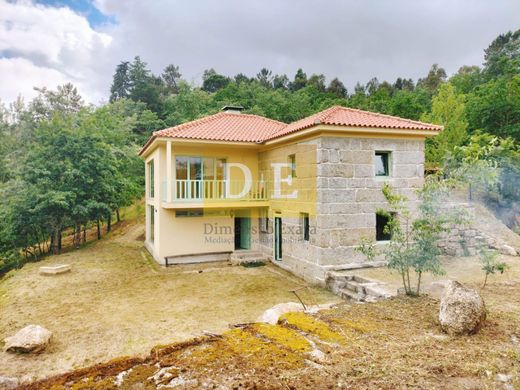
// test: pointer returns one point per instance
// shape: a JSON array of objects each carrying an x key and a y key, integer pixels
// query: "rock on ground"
[
  {"x": 8, "y": 383},
  {"x": 507, "y": 250},
  {"x": 462, "y": 310},
  {"x": 271, "y": 315},
  {"x": 32, "y": 338}
]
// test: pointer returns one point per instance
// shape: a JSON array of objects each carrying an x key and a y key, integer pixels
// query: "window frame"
[
  {"x": 151, "y": 178},
  {"x": 306, "y": 226},
  {"x": 292, "y": 162},
  {"x": 217, "y": 163},
  {"x": 189, "y": 213},
  {"x": 386, "y": 162},
  {"x": 151, "y": 209},
  {"x": 385, "y": 236}
]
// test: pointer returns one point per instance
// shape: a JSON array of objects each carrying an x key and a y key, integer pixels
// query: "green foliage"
[
  {"x": 367, "y": 248},
  {"x": 76, "y": 164},
  {"x": 488, "y": 165},
  {"x": 502, "y": 57},
  {"x": 490, "y": 265},
  {"x": 413, "y": 243},
  {"x": 448, "y": 109}
]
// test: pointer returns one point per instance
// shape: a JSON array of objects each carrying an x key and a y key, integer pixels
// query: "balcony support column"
[{"x": 168, "y": 171}]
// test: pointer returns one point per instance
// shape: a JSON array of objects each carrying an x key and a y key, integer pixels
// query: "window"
[
  {"x": 188, "y": 213},
  {"x": 382, "y": 220},
  {"x": 292, "y": 161},
  {"x": 263, "y": 221},
  {"x": 382, "y": 164},
  {"x": 151, "y": 179},
  {"x": 305, "y": 226},
  {"x": 152, "y": 222}
]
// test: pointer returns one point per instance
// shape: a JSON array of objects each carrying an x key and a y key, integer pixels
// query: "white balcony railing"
[{"x": 215, "y": 190}]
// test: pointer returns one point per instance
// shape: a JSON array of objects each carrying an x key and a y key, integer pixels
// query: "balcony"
[{"x": 186, "y": 194}]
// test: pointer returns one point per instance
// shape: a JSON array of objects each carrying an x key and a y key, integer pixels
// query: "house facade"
[{"x": 303, "y": 194}]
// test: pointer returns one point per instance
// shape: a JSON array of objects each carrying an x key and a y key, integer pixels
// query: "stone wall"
[
  {"x": 349, "y": 193},
  {"x": 467, "y": 239}
]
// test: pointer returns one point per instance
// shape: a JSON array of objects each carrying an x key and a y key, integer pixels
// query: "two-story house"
[{"x": 303, "y": 193}]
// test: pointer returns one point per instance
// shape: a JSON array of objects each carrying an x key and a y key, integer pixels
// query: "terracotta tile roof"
[
  {"x": 343, "y": 116},
  {"x": 235, "y": 127},
  {"x": 226, "y": 126}
]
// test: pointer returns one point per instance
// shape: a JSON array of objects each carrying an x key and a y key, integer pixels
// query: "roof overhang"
[
  {"x": 311, "y": 132},
  {"x": 155, "y": 140},
  {"x": 353, "y": 131}
]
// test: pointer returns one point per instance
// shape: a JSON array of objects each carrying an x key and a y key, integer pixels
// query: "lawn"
[{"x": 118, "y": 301}]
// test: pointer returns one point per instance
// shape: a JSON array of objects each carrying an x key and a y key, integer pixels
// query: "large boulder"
[
  {"x": 32, "y": 338},
  {"x": 462, "y": 310},
  {"x": 271, "y": 316}
]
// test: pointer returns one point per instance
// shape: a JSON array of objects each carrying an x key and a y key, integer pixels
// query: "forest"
[{"x": 67, "y": 166}]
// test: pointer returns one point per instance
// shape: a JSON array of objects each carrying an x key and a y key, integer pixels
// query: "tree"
[
  {"x": 317, "y": 81},
  {"x": 490, "y": 265},
  {"x": 413, "y": 242},
  {"x": 280, "y": 81},
  {"x": 436, "y": 76},
  {"x": 448, "y": 109},
  {"x": 494, "y": 107},
  {"x": 212, "y": 81},
  {"x": 65, "y": 100},
  {"x": 144, "y": 87},
  {"x": 502, "y": 57},
  {"x": 171, "y": 77},
  {"x": 299, "y": 82},
  {"x": 265, "y": 78},
  {"x": 467, "y": 79},
  {"x": 337, "y": 88},
  {"x": 121, "y": 82}
]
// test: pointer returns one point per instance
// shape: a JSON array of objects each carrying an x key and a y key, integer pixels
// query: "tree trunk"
[
  {"x": 59, "y": 240},
  {"x": 52, "y": 243},
  {"x": 118, "y": 217},
  {"x": 109, "y": 223},
  {"x": 98, "y": 229},
  {"x": 77, "y": 236},
  {"x": 84, "y": 233},
  {"x": 418, "y": 283}
]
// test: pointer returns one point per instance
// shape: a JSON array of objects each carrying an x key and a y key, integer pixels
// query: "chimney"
[{"x": 232, "y": 109}]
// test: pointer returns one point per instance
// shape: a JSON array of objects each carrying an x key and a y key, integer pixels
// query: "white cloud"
[
  {"x": 353, "y": 40},
  {"x": 48, "y": 46},
  {"x": 19, "y": 76}
]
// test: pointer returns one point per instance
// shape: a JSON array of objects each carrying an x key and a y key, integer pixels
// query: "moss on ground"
[
  {"x": 284, "y": 336},
  {"x": 312, "y": 325}
]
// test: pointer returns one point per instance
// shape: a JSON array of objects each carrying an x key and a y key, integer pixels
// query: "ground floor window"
[
  {"x": 152, "y": 222},
  {"x": 382, "y": 233},
  {"x": 188, "y": 213}
]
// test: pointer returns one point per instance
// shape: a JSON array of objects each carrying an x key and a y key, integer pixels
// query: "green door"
[{"x": 245, "y": 233}]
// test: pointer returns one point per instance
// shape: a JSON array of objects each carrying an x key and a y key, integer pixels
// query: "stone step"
[
  {"x": 248, "y": 256},
  {"x": 353, "y": 286},
  {"x": 351, "y": 295}
]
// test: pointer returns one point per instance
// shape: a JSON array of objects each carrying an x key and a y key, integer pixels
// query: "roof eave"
[{"x": 354, "y": 130}]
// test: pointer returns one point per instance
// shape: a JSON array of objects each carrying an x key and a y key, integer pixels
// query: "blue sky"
[{"x": 86, "y": 8}]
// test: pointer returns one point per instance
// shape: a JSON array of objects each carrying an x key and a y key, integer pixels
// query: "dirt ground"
[
  {"x": 391, "y": 344},
  {"x": 117, "y": 301},
  {"x": 467, "y": 270}
]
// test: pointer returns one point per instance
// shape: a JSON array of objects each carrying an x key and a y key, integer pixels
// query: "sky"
[{"x": 51, "y": 42}]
